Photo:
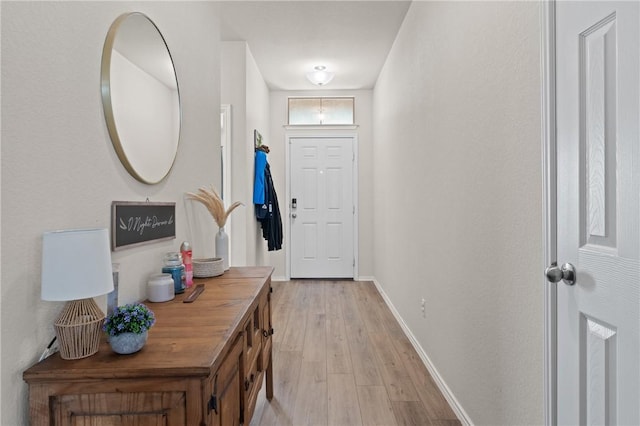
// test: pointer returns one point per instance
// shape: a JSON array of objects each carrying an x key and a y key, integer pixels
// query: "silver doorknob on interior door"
[
  {"x": 294, "y": 215},
  {"x": 566, "y": 273}
]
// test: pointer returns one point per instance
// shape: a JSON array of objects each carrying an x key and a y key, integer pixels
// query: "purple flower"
[{"x": 131, "y": 318}]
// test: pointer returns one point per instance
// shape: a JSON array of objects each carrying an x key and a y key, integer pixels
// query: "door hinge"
[
  {"x": 213, "y": 401},
  {"x": 354, "y": 210},
  {"x": 213, "y": 404}
]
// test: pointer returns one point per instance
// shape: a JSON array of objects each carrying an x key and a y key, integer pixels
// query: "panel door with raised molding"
[
  {"x": 598, "y": 337},
  {"x": 322, "y": 216}
]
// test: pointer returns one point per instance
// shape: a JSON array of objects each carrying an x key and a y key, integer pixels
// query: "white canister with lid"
[{"x": 160, "y": 288}]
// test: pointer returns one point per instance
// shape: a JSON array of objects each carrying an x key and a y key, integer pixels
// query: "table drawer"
[{"x": 252, "y": 385}]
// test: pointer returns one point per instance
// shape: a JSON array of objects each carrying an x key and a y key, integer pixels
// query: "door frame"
[
  {"x": 344, "y": 131},
  {"x": 225, "y": 164},
  {"x": 549, "y": 176}
]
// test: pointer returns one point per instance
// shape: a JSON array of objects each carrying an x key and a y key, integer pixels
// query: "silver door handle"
[
  {"x": 294, "y": 215},
  {"x": 566, "y": 273}
]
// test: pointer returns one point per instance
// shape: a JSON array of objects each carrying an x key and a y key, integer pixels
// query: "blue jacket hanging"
[
  {"x": 266, "y": 203},
  {"x": 258, "y": 186}
]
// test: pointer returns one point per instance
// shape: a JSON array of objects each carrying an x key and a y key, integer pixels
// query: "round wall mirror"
[{"x": 140, "y": 97}]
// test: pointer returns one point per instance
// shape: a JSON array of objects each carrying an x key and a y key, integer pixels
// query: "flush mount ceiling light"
[{"x": 320, "y": 76}]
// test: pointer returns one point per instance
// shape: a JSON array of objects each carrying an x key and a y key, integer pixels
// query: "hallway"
[
  {"x": 450, "y": 194},
  {"x": 340, "y": 358}
]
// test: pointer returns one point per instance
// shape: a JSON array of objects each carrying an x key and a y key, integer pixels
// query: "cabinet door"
[
  {"x": 120, "y": 409},
  {"x": 223, "y": 390},
  {"x": 229, "y": 412},
  {"x": 267, "y": 330}
]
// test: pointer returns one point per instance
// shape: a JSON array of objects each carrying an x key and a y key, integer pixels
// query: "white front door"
[
  {"x": 597, "y": 86},
  {"x": 321, "y": 207}
]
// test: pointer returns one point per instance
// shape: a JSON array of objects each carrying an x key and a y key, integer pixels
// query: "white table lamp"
[{"x": 76, "y": 266}]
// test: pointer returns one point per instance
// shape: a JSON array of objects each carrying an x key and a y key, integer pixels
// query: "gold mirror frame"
[{"x": 125, "y": 145}]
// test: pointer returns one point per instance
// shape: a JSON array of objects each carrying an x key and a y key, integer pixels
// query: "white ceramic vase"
[{"x": 222, "y": 247}]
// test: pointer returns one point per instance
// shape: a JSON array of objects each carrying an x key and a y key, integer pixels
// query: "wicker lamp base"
[{"x": 79, "y": 328}]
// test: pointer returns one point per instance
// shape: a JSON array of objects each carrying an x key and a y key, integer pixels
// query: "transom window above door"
[{"x": 321, "y": 110}]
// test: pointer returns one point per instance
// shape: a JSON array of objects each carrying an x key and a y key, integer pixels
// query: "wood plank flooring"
[{"x": 341, "y": 359}]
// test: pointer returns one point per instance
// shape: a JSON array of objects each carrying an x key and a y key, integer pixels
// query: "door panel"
[
  {"x": 323, "y": 227},
  {"x": 598, "y": 212}
]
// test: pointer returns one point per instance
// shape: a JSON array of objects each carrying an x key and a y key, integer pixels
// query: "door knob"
[
  {"x": 566, "y": 273},
  {"x": 294, "y": 215}
]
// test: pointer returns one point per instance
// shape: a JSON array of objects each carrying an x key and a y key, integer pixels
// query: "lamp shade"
[{"x": 76, "y": 264}]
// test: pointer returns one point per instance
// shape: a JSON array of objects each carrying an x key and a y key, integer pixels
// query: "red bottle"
[{"x": 185, "y": 250}]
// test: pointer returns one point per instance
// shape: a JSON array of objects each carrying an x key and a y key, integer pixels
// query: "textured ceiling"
[{"x": 288, "y": 38}]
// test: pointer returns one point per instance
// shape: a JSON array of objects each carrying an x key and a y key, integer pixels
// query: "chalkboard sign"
[{"x": 134, "y": 223}]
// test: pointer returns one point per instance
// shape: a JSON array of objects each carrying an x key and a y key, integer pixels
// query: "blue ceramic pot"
[{"x": 127, "y": 343}]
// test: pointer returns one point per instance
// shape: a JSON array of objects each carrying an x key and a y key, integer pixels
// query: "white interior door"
[
  {"x": 598, "y": 200},
  {"x": 322, "y": 215}
]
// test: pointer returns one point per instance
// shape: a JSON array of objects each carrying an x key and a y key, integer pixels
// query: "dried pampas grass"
[{"x": 212, "y": 201}]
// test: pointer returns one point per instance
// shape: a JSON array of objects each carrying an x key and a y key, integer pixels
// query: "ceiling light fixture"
[{"x": 320, "y": 76}]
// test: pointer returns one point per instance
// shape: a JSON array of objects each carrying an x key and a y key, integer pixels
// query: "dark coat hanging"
[{"x": 268, "y": 211}]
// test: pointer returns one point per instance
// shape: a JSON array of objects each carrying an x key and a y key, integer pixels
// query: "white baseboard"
[
  {"x": 279, "y": 279},
  {"x": 365, "y": 278},
  {"x": 446, "y": 392}
]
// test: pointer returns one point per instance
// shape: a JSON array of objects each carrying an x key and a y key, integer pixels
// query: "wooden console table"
[{"x": 203, "y": 364}]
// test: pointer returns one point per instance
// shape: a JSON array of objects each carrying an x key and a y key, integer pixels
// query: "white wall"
[
  {"x": 257, "y": 118},
  {"x": 277, "y": 161},
  {"x": 458, "y": 203},
  {"x": 59, "y": 169},
  {"x": 233, "y": 91},
  {"x": 245, "y": 90}
]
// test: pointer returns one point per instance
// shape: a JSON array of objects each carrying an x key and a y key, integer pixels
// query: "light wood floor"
[{"x": 341, "y": 359}]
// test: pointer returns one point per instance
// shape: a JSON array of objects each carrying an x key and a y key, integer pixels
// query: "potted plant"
[{"x": 127, "y": 327}]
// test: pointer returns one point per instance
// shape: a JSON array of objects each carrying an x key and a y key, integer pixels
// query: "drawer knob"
[{"x": 267, "y": 333}]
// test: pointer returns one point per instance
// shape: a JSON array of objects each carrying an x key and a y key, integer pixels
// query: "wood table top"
[{"x": 186, "y": 340}]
